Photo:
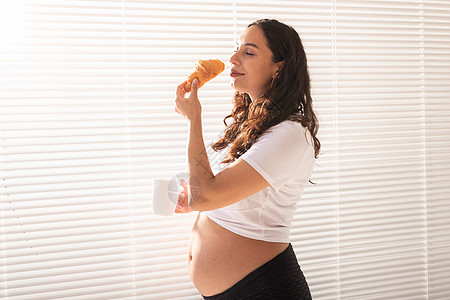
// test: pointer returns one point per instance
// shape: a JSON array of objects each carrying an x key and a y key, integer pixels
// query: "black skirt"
[{"x": 280, "y": 278}]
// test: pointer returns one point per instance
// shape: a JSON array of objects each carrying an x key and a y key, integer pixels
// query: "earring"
[
  {"x": 301, "y": 108},
  {"x": 271, "y": 83}
]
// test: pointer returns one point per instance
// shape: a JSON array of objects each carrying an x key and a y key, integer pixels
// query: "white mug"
[{"x": 165, "y": 196}]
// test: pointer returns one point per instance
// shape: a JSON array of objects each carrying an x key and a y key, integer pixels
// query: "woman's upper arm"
[{"x": 236, "y": 182}]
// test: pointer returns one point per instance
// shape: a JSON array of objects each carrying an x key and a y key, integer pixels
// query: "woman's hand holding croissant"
[{"x": 190, "y": 108}]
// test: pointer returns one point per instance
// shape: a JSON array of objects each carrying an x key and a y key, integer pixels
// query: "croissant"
[{"x": 205, "y": 70}]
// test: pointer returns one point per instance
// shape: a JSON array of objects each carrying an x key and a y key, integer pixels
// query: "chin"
[{"x": 236, "y": 87}]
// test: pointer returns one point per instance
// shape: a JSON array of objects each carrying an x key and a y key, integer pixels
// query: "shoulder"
[
  {"x": 288, "y": 126},
  {"x": 288, "y": 131},
  {"x": 279, "y": 152},
  {"x": 288, "y": 139}
]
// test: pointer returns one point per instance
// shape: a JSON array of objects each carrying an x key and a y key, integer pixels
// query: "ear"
[{"x": 277, "y": 68}]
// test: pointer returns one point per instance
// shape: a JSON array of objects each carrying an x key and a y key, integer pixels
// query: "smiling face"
[{"x": 252, "y": 68}]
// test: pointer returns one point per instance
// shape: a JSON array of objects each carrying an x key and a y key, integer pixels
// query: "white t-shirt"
[{"x": 284, "y": 156}]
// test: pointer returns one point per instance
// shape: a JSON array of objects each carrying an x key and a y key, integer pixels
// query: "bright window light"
[{"x": 12, "y": 14}]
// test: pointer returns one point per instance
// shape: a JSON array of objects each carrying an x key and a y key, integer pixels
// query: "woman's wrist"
[{"x": 195, "y": 121}]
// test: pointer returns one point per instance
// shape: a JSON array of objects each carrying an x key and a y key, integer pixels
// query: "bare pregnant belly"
[{"x": 219, "y": 258}]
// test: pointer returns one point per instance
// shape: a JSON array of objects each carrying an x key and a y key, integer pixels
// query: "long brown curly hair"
[{"x": 289, "y": 97}]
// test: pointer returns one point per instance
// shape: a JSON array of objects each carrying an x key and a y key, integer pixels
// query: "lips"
[{"x": 235, "y": 73}]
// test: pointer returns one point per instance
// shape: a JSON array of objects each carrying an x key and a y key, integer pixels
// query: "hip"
[{"x": 280, "y": 278}]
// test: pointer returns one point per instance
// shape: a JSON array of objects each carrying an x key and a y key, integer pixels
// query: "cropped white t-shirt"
[{"x": 284, "y": 156}]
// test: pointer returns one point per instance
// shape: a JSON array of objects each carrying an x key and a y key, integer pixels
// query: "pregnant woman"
[{"x": 240, "y": 246}]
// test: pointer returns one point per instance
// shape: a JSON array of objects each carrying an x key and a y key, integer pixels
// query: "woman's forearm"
[{"x": 200, "y": 173}]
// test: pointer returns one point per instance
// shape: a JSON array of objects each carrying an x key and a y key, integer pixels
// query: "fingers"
[
  {"x": 183, "y": 186},
  {"x": 189, "y": 108},
  {"x": 183, "y": 195},
  {"x": 194, "y": 89},
  {"x": 178, "y": 210},
  {"x": 180, "y": 90},
  {"x": 182, "y": 204},
  {"x": 179, "y": 207},
  {"x": 180, "y": 96}
]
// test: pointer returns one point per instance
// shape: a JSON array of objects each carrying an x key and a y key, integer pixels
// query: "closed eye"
[{"x": 236, "y": 48}]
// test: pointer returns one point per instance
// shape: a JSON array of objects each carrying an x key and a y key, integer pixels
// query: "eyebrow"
[{"x": 249, "y": 44}]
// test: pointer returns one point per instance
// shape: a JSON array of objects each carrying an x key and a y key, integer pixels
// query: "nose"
[{"x": 234, "y": 59}]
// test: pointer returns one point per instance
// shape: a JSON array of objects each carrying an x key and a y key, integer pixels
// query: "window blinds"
[
  {"x": 435, "y": 92},
  {"x": 87, "y": 121}
]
